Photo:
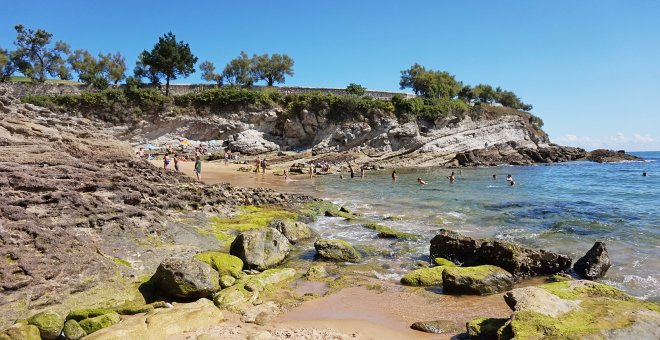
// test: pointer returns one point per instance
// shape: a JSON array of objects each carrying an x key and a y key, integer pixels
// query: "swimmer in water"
[
  {"x": 494, "y": 177},
  {"x": 512, "y": 182},
  {"x": 509, "y": 178},
  {"x": 451, "y": 177},
  {"x": 394, "y": 176},
  {"x": 420, "y": 181},
  {"x": 644, "y": 174}
]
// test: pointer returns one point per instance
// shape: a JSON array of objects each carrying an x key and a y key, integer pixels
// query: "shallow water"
[{"x": 563, "y": 208}]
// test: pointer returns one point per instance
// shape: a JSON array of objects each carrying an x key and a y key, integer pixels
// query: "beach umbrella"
[{"x": 185, "y": 142}]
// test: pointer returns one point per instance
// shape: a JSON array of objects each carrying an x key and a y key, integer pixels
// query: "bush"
[
  {"x": 336, "y": 108},
  {"x": 427, "y": 108},
  {"x": 230, "y": 98}
]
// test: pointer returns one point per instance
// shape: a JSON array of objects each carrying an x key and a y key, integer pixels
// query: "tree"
[
  {"x": 272, "y": 69},
  {"x": 484, "y": 93},
  {"x": 208, "y": 72},
  {"x": 168, "y": 59},
  {"x": 6, "y": 66},
  {"x": 142, "y": 70},
  {"x": 355, "y": 89},
  {"x": 239, "y": 71},
  {"x": 36, "y": 57},
  {"x": 114, "y": 67},
  {"x": 85, "y": 65},
  {"x": 429, "y": 83}
]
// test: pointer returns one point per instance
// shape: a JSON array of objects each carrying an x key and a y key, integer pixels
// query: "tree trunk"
[
  {"x": 167, "y": 87},
  {"x": 270, "y": 82}
]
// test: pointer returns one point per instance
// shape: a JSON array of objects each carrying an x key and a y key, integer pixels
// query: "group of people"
[
  {"x": 176, "y": 159},
  {"x": 452, "y": 178}
]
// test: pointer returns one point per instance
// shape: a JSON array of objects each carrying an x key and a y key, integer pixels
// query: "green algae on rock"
[
  {"x": 440, "y": 261},
  {"x": 21, "y": 331},
  {"x": 92, "y": 325},
  {"x": 479, "y": 280},
  {"x": 82, "y": 314},
  {"x": 238, "y": 296},
  {"x": 186, "y": 278},
  {"x": 50, "y": 324},
  {"x": 485, "y": 328},
  {"x": 249, "y": 217},
  {"x": 316, "y": 273},
  {"x": 387, "y": 232},
  {"x": 73, "y": 331},
  {"x": 227, "y": 281},
  {"x": 336, "y": 250},
  {"x": 224, "y": 264},
  {"x": 424, "y": 277}
]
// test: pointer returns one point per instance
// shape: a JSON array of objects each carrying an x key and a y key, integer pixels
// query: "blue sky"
[{"x": 590, "y": 68}]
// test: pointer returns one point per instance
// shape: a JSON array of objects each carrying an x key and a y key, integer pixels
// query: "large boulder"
[
  {"x": 539, "y": 300},
  {"x": 595, "y": 263},
  {"x": 437, "y": 326},
  {"x": 240, "y": 296},
  {"x": 424, "y": 277},
  {"x": 336, "y": 250},
  {"x": 20, "y": 331},
  {"x": 293, "y": 231},
  {"x": 73, "y": 331},
  {"x": 480, "y": 280},
  {"x": 186, "y": 278},
  {"x": 252, "y": 142},
  {"x": 224, "y": 264},
  {"x": 96, "y": 323},
  {"x": 485, "y": 328},
  {"x": 260, "y": 248},
  {"x": 50, "y": 324},
  {"x": 519, "y": 261}
]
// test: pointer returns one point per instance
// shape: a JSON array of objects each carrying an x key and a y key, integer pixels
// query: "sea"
[{"x": 562, "y": 208}]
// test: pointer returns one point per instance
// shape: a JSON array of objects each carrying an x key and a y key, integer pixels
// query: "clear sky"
[{"x": 590, "y": 68}]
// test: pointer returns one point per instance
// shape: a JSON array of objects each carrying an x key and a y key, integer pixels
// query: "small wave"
[
  {"x": 455, "y": 214},
  {"x": 649, "y": 285}
]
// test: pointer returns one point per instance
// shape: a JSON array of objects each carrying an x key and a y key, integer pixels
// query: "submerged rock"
[
  {"x": 50, "y": 324},
  {"x": 485, "y": 328},
  {"x": 316, "y": 273},
  {"x": 293, "y": 231},
  {"x": 437, "y": 326},
  {"x": 595, "y": 263},
  {"x": 424, "y": 277},
  {"x": 261, "y": 248},
  {"x": 480, "y": 280},
  {"x": 186, "y": 278},
  {"x": 519, "y": 261},
  {"x": 336, "y": 250}
]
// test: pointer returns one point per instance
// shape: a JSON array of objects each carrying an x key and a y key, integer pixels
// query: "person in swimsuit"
[
  {"x": 258, "y": 164},
  {"x": 451, "y": 177},
  {"x": 394, "y": 176},
  {"x": 176, "y": 163},
  {"x": 263, "y": 165},
  {"x": 420, "y": 181},
  {"x": 166, "y": 161},
  {"x": 286, "y": 176},
  {"x": 494, "y": 177},
  {"x": 509, "y": 178},
  {"x": 362, "y": 171},
  {"x": 198, "y": 168},
  {"x": 644, "y": 174},
  {"x": 226, "y": 158}
]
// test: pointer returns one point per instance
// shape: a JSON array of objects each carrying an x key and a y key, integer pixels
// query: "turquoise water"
[{"x": 563, "y": 208}]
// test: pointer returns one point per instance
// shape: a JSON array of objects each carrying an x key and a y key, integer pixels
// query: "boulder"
[
  {"x": 21, "y": 331},
  {"x": 610, "y": 156},
  {"x": 227, "y": 281},
  {"x": 73, "y": 331},
  {"x": 538, "y": 300},
  {"x": 439, "y": 261},
  {"x": 224, "y": 264},
  {"x": 50, "y": 324},
  {"x": 519, "y": 261},
  {"x": 299, "y": 168},
  {"x": 293, "y": 231},
  {"x": 316, "y": 273},
  {"x": 82, "y": 314},
  {"x": 186, "y": 278},
  {"x": 437, "y": 326},
  {"x": 336, "y": 250},
  {"x": 96, "y": 323},
  {"x": 424, "y": 277},
  {"x": 485, "y": 328},
  {"x": 260, "y": 248},
  {"x": 480, "y": 280},
  {"x": 595, "y": 263},
  {"x": 246, "y": 290},
  {"x": 252, "y": 142}
]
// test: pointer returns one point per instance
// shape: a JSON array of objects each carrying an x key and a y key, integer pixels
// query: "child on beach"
[
  {"x": 286, "y": 176},
  {"x": 198, "y": 168},
  {"x": 166, "y": 161}
]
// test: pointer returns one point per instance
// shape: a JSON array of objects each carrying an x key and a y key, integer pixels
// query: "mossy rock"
[
  {"x": 50, "y": 324},
  {"x": 485, "y": 328},
  {"x": 73, "y": 331},
  {"x": 479, "y": 280},
  {"x": 132, "y": 310},
  {"x": 227, "y": 281},
  {"x": 339, "y": 213},
  {"x": 316, "y": 273},
  {"x": 92, "y": 325},
  {"x": 424, "y": 277},
  {"x": 387, "y": 232},
  {"x": 82, "y": 314},
  {"x": 336, "y": 250},
  {"x": 437, "y": 326},
  {"x": 238, "y": 296},
  {"x": 21, "y": 331},
  {"x": 224, "y": 264},
  {"x": 440, "y": 261}
]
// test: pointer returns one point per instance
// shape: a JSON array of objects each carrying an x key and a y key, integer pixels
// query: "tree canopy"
[
  {"x": 209, "y": 74},
  {"x": 272, "y": 69},
  {"x": 355, "y": 89},
  {"x": 429, "y": 83},
  {"x": 239, "y": 71},
  {"x": 168, "y": 59},
  {"x": 36, "y": 56}
]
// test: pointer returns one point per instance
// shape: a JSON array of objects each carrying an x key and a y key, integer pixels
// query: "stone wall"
[{"x": 21, "y": 89}]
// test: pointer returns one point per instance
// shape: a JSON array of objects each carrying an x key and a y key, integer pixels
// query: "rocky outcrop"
[
  {"x": 480, "y": 280},
  {"x": 519, "y": 261},
  {"x": 538, "y": 300},
  {"x": 424, "y": 277},
  {"x": 510, "y": 154},
  {"x": 294, "y": 231},
  {"x": 224, "y": 264},
  {"x": 485, "y": 328},
  {"x": 20, "y": 331},
  {"x": 49, "y": 323},
  {"x": 595, "y": 263},
  {"x": 610, "y": 156},
  {"x": 251, "y": 142},
  {"x": 186, "y": 278},
  {"x": 246, "y": 291},
  {"x": 437, "y": 326},
  {"x": 261, "y": 248},
  {"x": 336, "y": 250}
]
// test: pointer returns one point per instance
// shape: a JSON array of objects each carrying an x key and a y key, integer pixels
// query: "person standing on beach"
[
  {"x": 263, "y": 165},
  {"x": 166, "y": 161},
  {"x": 140, "y": 153},
  {"x": 286, "y": 176},
  {"x": 226, "y": 158},
  {"x": 257, "y": 163},
  {"x": 311, "y": 170},
  {"x": 176, "y": 163},
  {"x": 198, "y": 168}
]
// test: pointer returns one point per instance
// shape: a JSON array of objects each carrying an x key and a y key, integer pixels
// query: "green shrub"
[
  {"x": 336, "y": 108},
  {"x": 230, "y": 98}
]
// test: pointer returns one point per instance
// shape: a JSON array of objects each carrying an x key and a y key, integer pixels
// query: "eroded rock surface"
[
  {"x": 595, "y": 263},
  {"x": 261, "y": 248}
]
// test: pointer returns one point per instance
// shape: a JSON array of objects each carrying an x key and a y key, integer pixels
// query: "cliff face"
[{"x": 383, "y": 137}]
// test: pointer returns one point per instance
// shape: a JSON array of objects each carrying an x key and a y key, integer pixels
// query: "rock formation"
[{"x": 595, "y": 263}]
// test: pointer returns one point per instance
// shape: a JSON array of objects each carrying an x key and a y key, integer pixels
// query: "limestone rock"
[
  {"x": 293, "y": 231},
  {"x": 424, "y": 277},
  {"x": 238, "y": 297},
  {"x": 485, "y": 328},
  {"x": 261, "y": 248},
  {"x": 437, "y": 326},
  {"x": 336, "y": 250},
  {"x": 519, "y": 261},
  {"x": 224, "y": 264},
  {"x": 595, "y": 263},
  {"x": 252, "y": 142},
  {"x": 610, "y": 156},
  {"x": 539, "y": 300},
  {"x": 186, "y": 278},
  {"x": 96, "y": 323},
  {"x": 73, "y": 331},
  {"x": 21, "y": 331},
  {"x": 50, "y": 324},
  {"x": 480, "y": 280},
  {"x": 227, "y": 281}
]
